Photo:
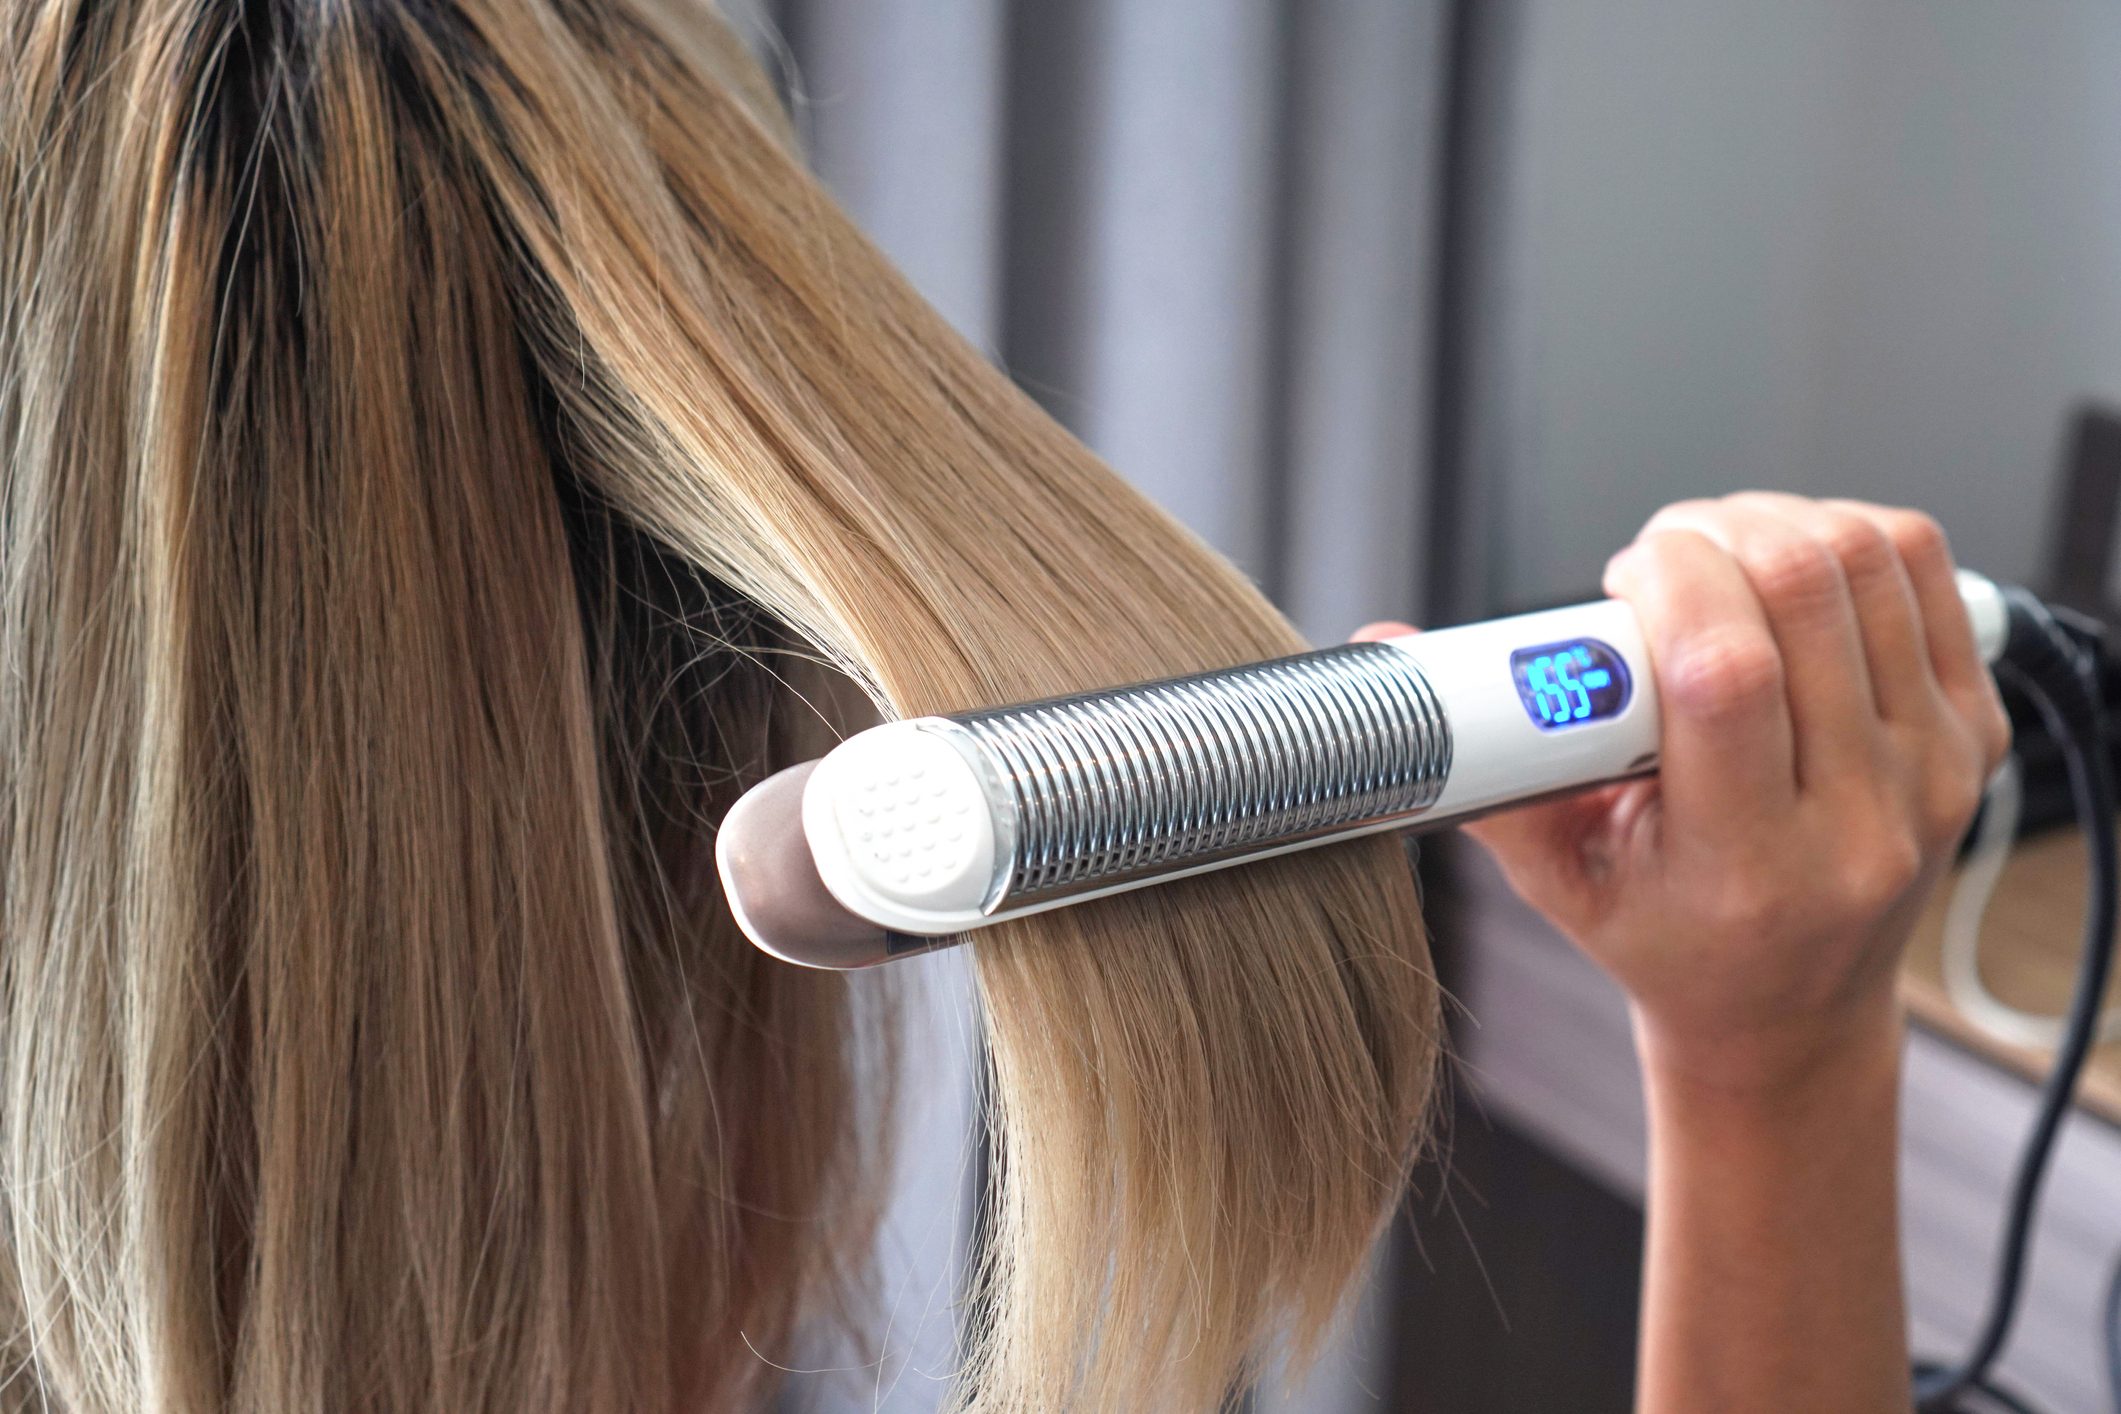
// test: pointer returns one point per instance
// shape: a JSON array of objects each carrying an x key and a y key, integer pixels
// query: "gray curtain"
[{"x": 1201, "y": 233}]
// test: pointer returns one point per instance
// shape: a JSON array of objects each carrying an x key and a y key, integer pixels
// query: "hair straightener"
[
  {"x": 911, "y": 834},
  {"x": 907, "y": 836}
]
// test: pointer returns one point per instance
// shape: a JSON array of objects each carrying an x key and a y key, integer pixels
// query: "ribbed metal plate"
[{"x": 1116, "y": 784}]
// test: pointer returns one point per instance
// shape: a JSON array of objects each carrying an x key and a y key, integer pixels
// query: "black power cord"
[
  {"x": 1985, "y": 1396},
  {"x": 2054, "y": 658}
]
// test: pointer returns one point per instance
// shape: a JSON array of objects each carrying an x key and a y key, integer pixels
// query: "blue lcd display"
[{"x": 1568, "y": 684}]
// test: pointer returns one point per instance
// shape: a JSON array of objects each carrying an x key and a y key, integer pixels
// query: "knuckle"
[
  {"x": 1723, "y": 672},
  {"x": 1677, "y": 515},
  {"x": 1919, "y": 539},
  {"x": 1667, "y": 544},
  {"x": 1763, "y": 502},
  {"x": 1881, "y": 872},
  {"x": 1978, "y": 707},
  {"x": 1954, "y": 795},
  {"x": 1662, "y": 562},
  {"x": 1994, "y": 730},
  {"x": 1794, "y": 573},
  {"x": 1862, "y": 549}
]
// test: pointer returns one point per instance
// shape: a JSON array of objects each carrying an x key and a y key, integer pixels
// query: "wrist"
[
  {"x": 1772, "y": 1266},
  {"x": 1772, "y": 1069}
]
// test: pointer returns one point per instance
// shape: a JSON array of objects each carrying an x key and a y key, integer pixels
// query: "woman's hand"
[
  {"x": 1827, "y": 728},
  {"x": 1828, "y": 725}
]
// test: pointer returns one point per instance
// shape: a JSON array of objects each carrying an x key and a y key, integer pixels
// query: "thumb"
[
  {"x": 1567, "y": 857},
  {"x": 1385, "y": 628}
]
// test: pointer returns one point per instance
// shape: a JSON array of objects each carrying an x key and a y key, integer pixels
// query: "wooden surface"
[{"x": 2028, "y": 958}]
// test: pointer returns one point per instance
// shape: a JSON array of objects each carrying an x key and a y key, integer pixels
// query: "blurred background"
[{"x": 1417, "y": 308}]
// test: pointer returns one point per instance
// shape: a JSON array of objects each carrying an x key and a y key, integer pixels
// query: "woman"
[{"x": 450, "y": 448}]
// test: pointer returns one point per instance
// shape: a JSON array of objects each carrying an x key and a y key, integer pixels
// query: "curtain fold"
[{"x": 1200, "y": 231}]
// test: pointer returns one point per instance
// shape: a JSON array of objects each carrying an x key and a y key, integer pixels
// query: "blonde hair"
[{"x": 438, "y": 436}]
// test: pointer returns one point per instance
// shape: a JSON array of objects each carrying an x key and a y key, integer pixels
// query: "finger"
[
  {"x": 1388, "y": 628},
  {"x": 1894, "y": 646},
  {"x": 1954, "y": 656},
  {"x": 1565, "y": 856},
  {"x": 1727, "y": 750},
  {"x": 1808, "y": 608}
]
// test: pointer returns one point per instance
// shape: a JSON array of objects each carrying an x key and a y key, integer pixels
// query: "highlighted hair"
[{"x": 450, "y": 447}]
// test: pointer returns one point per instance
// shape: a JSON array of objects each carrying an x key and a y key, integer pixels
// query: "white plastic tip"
[{"x": 912, "y": 817}]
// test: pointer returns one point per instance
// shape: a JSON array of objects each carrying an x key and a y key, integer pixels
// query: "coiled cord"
[{"x": 2001, "y": 811}]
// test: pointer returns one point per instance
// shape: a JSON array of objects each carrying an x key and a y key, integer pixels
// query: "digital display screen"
[{"x": 1568, "y": 684}]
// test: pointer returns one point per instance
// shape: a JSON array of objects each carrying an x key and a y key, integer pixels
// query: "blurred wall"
[{"x": 1869, "y": 249}]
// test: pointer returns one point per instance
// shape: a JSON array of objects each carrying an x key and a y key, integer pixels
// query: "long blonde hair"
[{"x": 440, "y": 441}]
